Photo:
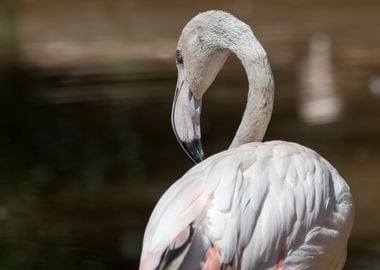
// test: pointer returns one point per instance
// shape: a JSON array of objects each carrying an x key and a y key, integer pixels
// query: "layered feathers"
[{"x": 253, "y": 203}]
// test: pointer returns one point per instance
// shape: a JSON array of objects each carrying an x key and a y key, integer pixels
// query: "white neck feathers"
[
  {"x": 259, "y": 105},
  {"x": 211, "y": 35},
  {"x": 236, "y": 36}
]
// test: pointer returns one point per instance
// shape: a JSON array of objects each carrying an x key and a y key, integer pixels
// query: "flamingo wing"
[{"x": 272, "y": 205}]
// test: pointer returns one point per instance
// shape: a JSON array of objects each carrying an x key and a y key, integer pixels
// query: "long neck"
[{"x": 259, "y": 105}]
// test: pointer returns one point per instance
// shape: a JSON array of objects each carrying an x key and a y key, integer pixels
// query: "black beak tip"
[{"x": 193, "y": 150}]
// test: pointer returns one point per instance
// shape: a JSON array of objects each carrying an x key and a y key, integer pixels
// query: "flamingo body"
[{"x": 259, "y": 203}]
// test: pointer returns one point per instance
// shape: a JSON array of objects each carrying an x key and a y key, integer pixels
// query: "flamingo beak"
[{"x": 186, "y": 112}]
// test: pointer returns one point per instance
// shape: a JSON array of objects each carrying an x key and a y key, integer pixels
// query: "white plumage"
[
  {"x": 254, "y": 202},
  {"x": 272, "y": 205}
]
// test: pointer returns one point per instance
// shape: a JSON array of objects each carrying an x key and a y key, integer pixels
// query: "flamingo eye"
[{"x": 178, "y": 56}]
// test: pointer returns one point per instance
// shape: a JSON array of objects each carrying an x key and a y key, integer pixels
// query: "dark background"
[{"x": 86, "y": 146}]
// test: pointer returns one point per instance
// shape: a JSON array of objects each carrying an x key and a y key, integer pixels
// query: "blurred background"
[{"x": 86, "y": 146}]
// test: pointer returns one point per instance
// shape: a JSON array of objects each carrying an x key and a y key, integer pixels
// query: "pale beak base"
[{"x": 186, "y": 112}]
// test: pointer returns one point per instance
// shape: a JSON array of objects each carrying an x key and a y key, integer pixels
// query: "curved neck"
[{"x": 259, "y": 105}]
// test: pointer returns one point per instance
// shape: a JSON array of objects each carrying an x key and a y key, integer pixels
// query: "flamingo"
[{"x": 258, "y": 205}]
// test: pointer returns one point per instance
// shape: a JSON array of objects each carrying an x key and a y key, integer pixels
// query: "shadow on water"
[{"x": 86, "y": 151}]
